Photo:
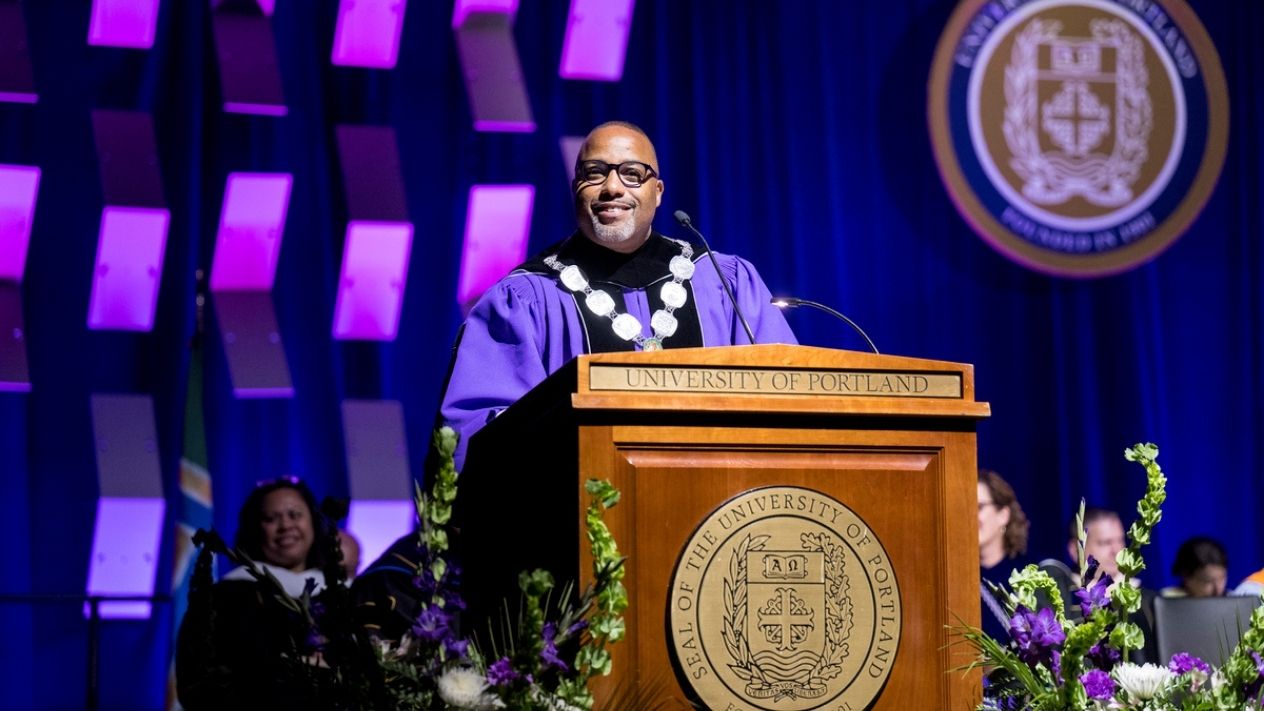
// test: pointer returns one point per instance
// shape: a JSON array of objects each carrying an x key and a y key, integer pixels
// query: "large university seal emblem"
[
  {"x": 784, "y": 599},
  {"x": 1078, "y": 137}
]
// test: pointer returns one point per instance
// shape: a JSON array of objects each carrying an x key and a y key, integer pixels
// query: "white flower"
[
  {"x": 1142, "y": 682},
  {"x": 463, "y": 688}
]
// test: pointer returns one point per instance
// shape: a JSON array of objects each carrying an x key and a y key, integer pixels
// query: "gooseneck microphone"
[
  {"x": 683, "y": 218},
  {"x": 789, "y": 302}
]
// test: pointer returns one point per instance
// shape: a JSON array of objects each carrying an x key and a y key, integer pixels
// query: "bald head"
[{"x": 610, "y": 212}]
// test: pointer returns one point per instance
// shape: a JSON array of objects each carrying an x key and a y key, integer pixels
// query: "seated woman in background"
[
  {"x": 1002, "y": 545},
  {"x": 1202, "y": 567},
  {"x": 236, "y": 635}
]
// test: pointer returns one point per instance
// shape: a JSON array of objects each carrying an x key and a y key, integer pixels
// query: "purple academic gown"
[{"x": 528, "y": 325}]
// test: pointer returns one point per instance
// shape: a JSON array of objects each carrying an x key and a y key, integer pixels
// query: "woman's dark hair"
[
  {"x": 249, "y": 521},
  {"x": 1015, "y": 539},
  {"x": 1198, "y": 552}
]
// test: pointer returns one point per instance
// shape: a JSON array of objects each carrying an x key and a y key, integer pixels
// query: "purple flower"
[
  {"x": 432, "y": 625},
  {"x": 549, "y": 654},
  {"x": 1103, "y": 656},
  {"x": 501, "y": 673},
  {"x": 1094, "y": 597},
  {"x": 456, "y": 648},
  {"x": 1183, "y": 663},
  {"x": 1098, "y": 685},
  {"x": 1257, "y": 686},
  {"x": 1035, "y": 633}
]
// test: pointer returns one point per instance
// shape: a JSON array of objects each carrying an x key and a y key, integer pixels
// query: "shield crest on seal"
[{"x": 785, "y": 620}]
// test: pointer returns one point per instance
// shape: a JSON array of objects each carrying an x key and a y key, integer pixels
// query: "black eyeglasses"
[{"x": 631, "y": 173}]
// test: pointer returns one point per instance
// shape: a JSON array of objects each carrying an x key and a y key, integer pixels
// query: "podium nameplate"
[{"x": 774, "y": 381}]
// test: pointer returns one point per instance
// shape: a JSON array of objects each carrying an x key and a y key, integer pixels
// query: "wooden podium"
[{"x": 682, "y": 432}]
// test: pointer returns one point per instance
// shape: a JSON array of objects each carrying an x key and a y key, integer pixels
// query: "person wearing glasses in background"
[{"x": 614, "y": 285}]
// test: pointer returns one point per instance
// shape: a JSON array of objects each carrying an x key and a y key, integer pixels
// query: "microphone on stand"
[
  {"x": 789, "y": 302},
  {"x": 683, "y": 218}
]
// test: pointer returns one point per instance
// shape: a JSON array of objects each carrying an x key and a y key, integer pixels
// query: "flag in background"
[{"x": 194, "y": 509}]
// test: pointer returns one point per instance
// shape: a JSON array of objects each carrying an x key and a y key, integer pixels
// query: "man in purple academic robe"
[{"x": 614, "y": 285}]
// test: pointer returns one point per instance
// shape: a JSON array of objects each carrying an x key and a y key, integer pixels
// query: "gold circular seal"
[
  {"x": 1078, "y": 137},
  {"x": 784, "y": 599}
]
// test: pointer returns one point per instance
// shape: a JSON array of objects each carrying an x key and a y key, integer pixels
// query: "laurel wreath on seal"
[
  {"x": 1108, "y": 181},
  {"x": 839, "y": 618}
]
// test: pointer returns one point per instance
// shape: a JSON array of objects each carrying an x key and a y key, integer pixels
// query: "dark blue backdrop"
[{"x": 794, "y": 133}]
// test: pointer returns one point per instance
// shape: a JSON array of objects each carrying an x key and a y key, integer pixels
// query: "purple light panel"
[
  {"x": 16, "y": 82},
  {"x": 463, "y": 8},
  {"x": 128, "y": 268},
  {"x": 252, "y": 342},
  {"x": 251, "y": 226},
  {"x": 250, "y": 79},
  {"x": 367, "y": 34},
  {"x": 123, "y": 23},
  {"x": 382, "y": 509},
  {"x": 596, "y": 40},
  {"x": 371, "y": 286},
  {"x": 497, "y": 225},
  {"x": 130, "y": 510},
  {"x": 378, "y": 524},
  {"x": 127, "y": 156},
  {"x": 125, "y": 544},
  {"x": 19, "y": 185},
  {"x": 493, "y": 73},
  {"x": 570, "y": 146},
  {"x": 15, "y": 375}
]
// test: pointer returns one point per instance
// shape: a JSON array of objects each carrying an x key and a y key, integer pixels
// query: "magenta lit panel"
[
  {"x": 123, "y": 23},
  {"x": 245, "y": 50},
  {"x": 378, "y": 524},
  {"x": 371, "y": 286},
  {"x": 124, "y": 560},
  {"x": 127, "y": 156},
  {"x": 251, "y": 226},
  {"x": 267, "y": 6},
  {"x": 252, "y": 343},
  {"x": 15, "y": 374},
  {"x": 377, "y": 450},
  {"x": 367, "y": 34},
  {"x": 464, "y": 8},
  {"x": 493, "y": 74},
  {"x": 497, "y": 225},
  {"x": 596, "y": 42},
  {"x": 570, "y": 146},
  {"x": 130, "y": 511},
  {"x": 19, "y": 184},
  {"x": 128, "y": 268},
  {"x": 380, "y": 484},
  {"x": 17, "y": 84}
]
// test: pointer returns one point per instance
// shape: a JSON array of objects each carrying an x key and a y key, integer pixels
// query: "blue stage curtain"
[{"x": 794, "y": 133}]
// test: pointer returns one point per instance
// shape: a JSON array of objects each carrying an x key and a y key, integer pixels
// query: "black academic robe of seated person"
[{"x": 232, "y": 649}]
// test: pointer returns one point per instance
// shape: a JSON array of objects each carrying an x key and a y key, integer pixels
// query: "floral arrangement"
[
  {"x": 1053, "y": 662},
  {"x": 542, "y": 660}
]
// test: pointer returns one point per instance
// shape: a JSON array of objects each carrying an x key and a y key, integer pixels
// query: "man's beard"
[{"x": 613, "y": 234}]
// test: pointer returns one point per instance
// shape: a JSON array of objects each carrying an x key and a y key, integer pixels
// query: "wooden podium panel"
[{"x": 903, "y": 463}]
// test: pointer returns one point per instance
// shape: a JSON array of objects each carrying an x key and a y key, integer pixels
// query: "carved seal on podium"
[{"x": 783, "y": 598}]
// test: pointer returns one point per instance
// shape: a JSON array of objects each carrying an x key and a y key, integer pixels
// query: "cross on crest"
[{"x": 786, "y": 620}]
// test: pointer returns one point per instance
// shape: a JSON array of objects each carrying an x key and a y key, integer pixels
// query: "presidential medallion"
[{"x": 784, "y": 599}]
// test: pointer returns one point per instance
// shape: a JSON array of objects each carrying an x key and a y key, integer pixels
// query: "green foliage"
[{"x": 1035, "y": 681}]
